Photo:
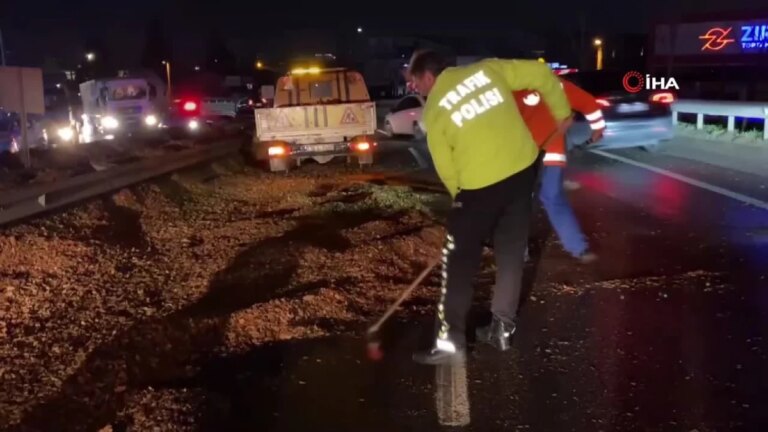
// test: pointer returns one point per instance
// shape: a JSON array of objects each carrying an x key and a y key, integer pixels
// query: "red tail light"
[
  {"x": 190, "y": 106},
  {"x": 663, "y": 97},
  {"x": 603, "y": 102}
]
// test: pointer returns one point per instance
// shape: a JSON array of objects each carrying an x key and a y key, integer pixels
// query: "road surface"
[{"x": 666, "y": 332}]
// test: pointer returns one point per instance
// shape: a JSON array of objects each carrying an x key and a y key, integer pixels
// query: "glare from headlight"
[
  {"x": 109, "y": 122},
  {"x": 150, "y": 120},
  {"x": 193, "y": 124},
  {"x": 66, "y": 133}
]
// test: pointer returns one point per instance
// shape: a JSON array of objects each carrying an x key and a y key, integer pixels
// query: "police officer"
[{"x": 486, "y": 158}]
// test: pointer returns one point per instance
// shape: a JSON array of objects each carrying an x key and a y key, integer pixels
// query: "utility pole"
[
  {"x": 2, "y": 48},
  {"x": 582, "y": 40}
]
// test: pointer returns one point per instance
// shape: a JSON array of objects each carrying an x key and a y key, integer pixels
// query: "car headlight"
[
  {"x": 150, "y": 120},
  {"x": 66, "y": 133},
  {"x": 109, "y": 122},
  {"x": 193, "y": 124}
]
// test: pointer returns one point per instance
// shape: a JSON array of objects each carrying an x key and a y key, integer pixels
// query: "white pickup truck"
[{"x": 318, "y": 114}]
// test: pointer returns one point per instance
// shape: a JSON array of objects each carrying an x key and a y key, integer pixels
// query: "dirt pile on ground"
[{"x": 101, "y": 302}]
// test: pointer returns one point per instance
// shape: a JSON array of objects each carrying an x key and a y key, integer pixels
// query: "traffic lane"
[
  {"x": 721, "y": 222},
  {"x": 634, "y": 348},
  {"x": 653, "y": 354},
  {"x": 740, "y": 182}
]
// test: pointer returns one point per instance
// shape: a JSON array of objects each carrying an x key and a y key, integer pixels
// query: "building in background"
[{"x": 714, "y": 56}]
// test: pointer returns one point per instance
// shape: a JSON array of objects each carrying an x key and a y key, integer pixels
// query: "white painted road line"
[{"x": 693, "y": 182}]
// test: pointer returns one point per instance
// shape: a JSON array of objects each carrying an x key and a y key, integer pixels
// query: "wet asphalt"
[{"x": 666, "y": 332}]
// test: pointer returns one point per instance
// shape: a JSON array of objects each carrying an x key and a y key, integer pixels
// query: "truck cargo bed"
[{"x": 316, "y": 123}]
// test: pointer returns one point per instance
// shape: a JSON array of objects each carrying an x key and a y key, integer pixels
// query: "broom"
[{"x": 374, "y": 343}]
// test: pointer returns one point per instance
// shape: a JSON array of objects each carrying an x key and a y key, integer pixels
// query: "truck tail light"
[
  {"x": 277, "y": 150},
  {"x": 362, "y": 143}
]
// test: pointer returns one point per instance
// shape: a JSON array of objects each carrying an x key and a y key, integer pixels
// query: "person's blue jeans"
[{"x": 560, "y": 212}]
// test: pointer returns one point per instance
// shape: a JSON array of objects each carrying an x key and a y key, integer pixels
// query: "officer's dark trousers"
[{"x": 502, "y": 212}]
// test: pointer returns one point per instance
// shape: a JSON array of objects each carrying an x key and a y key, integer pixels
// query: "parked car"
[
  {"x": 405, "y": 117},
  {"x": 642, "y": 119}
]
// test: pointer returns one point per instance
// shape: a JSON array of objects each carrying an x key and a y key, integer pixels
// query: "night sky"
[{"x": 35, "y": 29}]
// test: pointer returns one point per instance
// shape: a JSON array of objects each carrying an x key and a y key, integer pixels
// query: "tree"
[
  {"x": 218, "y": 57},
  {"x": 157, "y": 49}
]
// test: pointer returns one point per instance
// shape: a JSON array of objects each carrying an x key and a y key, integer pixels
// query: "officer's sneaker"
[
  {"x": 587, "y": 257},
  {"x": 571, "y": 185},
  {"x": 498, "y": 334},
  {"x": 444, "y": 352}
]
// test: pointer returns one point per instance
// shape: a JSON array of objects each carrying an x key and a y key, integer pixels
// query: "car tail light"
[
  {"x": 663, "y": 97},
  {"x": 277, "y": 150},
  {"x": 190, "y": 106},
  {"x": 603, "y": 102}
]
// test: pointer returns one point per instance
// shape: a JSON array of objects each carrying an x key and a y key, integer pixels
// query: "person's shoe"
[
  {"x": 587, "y": 257},
  {"x": 498, "y": 334},
  {"x": 441, "y": 355},
  {"x": 571, "y": 185}
]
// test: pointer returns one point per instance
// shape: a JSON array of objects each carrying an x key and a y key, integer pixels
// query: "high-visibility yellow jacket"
[{"x": 475, "y": 133}]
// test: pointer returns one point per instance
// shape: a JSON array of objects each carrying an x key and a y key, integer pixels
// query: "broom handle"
[{"x": 403, "y": 296}]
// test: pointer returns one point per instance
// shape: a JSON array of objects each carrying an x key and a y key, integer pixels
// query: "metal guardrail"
[
  {"x": 728, "y": 109},
  {"x": 32, "y": 200}
]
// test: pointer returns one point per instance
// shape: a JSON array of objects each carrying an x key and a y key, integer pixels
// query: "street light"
[
  {"x": 259, "y": 65},
  {"x": 359, "y": 29},
  {"x": 168, "y": 76},
  {"x": 90, "y": 56},
  {"x": 599, "y": 57}
]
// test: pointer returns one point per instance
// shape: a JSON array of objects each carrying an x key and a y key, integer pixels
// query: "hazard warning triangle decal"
[
  {"x": 349, "y": 117},
  {"x": 281, "y": 121}
]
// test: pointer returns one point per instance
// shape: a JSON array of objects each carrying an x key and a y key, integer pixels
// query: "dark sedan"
[{"x": 642, "y": 119}]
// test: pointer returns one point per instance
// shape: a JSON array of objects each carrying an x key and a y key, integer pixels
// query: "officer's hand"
[
  {"x": 563, "y": 126},
  {"x": 596, "y": 136}
]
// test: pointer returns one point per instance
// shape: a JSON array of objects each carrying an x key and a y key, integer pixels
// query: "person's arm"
[
  {"x": 442, "y": 156},
  {"x": 583, "y": 102},
  {"x": 534, "y": 75}
]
